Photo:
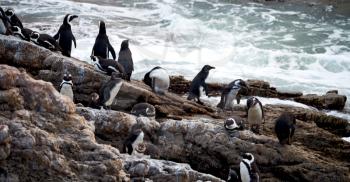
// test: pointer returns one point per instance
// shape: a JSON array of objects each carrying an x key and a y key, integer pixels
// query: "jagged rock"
[
  {"x": 5, "y": 139},
  {"x": 160, "y": 170},
  {"x": 331, "y": 100},
  {"x": 46, "y": 65}
]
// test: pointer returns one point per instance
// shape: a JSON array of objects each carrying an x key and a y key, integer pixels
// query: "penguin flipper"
[
  {"x": 57, "y": 34},
  {"x": 111, "y": 49},
  {"x": 74, "y": 41}
]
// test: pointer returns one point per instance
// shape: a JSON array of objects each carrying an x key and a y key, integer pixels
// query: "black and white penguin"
[
  {"x": 231, "y": 92},
  {"x": 158, "y": 79},
  {"x": 233, "y": 125},
  {"x": 134, "y": 139},
  {"x": 232, "y": 176},
  {"x": 255, "y": 112},
  {"x": 23, "y": 34},
  {"x": 5, "y": 26},
  {"x": 14, "y": 20},
  {"x": 65, "y": 35},
  {"x": 110, "y": 90},
  {"x": 198, "y": 83},
  {"x": 45, "y": 40},
  {"x": 143, "y": 109},
  {"x": 94, "y": 101},
  {"x": 102, "y": 47},
  {"x": 66, "y": 86},
  {"x": 108, "y": 66},
  {"x": 125, "y": 59},
  {"x": 248, "y": 169},
  {"x": 285, "y": 127}
]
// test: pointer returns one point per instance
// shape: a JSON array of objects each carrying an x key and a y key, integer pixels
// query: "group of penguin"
[{"x": 157, "y": 78}]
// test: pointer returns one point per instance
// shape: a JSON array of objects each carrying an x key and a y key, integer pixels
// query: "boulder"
[
  {"x": 49, "y": 66},
  {"x": 331, "y": 100}
]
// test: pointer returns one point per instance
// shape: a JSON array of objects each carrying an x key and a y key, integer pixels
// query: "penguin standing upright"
[
  {"x": 45, "y": 40},
  {"x": 158, "y": 79},
  {"x": 24, "y": 33},
  {"x": 66, "y": 86},
  {"x": 231, "y": 92},
  {"x": 65, "y": 35},
  {"x": 102, "y": 47},
  {"x": 285, "y": 127},
  {"x": 125, "y": 59},
  {"x": 255, "y": 114},
  {"x": 108, "y": 66},
  {"x": 199, "y": 82},
  {"x": 5, "y": 26},
  {"x": 134, "y": 139},
  {"x": 110, "y": 90},
  {"x": 14, "y": 20},
  {"x": 248, "y": 169}
]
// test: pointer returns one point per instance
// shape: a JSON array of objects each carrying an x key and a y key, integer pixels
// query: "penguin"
[
  {"x": 233, "y": 124},
  {"x": 14, "y": 20},
  {"x": 248, "y": 169},
  {"x": 285, "y": 127},
  {"x": 255, "y": 114},
  {"x": 125, "y": 59},
  {"x": 232, "y": 176},
  {"x": 110, "y": 90},
  {"x": 65, "y": 35},
  {"x": 231, "y": 92},
  {"x": 4, "y": 23},
  {"x": 66, "y": 86},
  {"x": 102, "y": 47},
  {"x": 134, "y": 139},
  {"x": 143, "y": 109},
  {"x": 94, "y": 101},
  {"x": 158, "y": 79},
  {"x": 45, "y": 40},
  {"x": 23, "y": 34},
  {"x": 198, "y": 82},
  {"x": 108, "y": 66}
]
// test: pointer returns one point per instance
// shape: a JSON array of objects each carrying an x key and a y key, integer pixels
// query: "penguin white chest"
[
  {"x": 138, "y": 141},
  {"x": 113, "y": 93},
  {"x": 67, "y": 90},
  {"x": 230, "y": 97},
  {"x": 244, "y": 172},
  {"x": 161, "y": 80},
  {"x": 255, "y": 114}
]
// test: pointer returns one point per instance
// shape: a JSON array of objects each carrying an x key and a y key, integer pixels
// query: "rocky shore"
[{"x": 46, "y": 137}]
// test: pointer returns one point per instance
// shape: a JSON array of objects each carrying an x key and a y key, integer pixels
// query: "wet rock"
[{"x": 331, "y": 100}]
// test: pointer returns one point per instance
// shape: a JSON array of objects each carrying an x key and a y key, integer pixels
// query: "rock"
[
  {"x": 331, "y": 100},
  {"x": 5, "y": 139},
  {"x": 46, "y": 65}
]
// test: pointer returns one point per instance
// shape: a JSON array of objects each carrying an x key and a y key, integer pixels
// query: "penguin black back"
[
  {"x": 147, "y": 79},
  {"x": 125, "y": 59},
  {"x": 102, "y": 46},
  {"x": 199, "y": 81},
  {"x": 45, "y": 40},
  {"x": 14, "y": 20},
  {"x": 65, "y": 35},
  {"x": 285, "y": 127}
]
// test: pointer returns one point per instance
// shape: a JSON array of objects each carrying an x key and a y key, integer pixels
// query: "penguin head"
[
  {"x": 94, "y": 58},
  {"x": 34, "y": 35},
  {"x": 102, "y": 28},
  {"x": 16, "y": 29},
  {"x": 67, "y": 77},
  {"x": 231, "y": 124},
  {"x": 124, "y": 45},
  {"x": 251, "y": 102},
  {"x": 10, "y": 12},
  {"x": 248, "y": 157},
  {"x": 68, "y": 18},
  {"x": 207, "y": 68}
]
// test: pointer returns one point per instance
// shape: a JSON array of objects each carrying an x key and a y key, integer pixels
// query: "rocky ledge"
[{"x": 44, "y": 136}]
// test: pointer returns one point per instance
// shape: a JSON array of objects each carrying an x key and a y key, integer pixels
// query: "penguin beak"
[
  {"x": 72, "y": 17},
  {"x": 211, "y": 67}
]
